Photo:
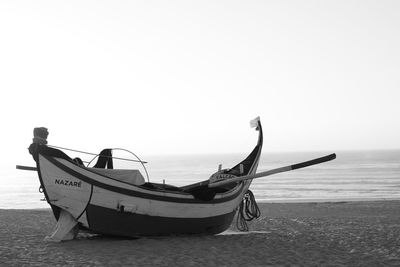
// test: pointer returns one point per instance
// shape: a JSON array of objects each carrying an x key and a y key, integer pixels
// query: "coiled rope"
[{"x": 248, "y": 210}]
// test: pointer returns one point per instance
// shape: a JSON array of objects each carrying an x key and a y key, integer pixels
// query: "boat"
[{"x": 119, "y": 202}]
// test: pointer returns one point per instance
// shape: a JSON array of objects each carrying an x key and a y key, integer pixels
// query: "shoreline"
[
  {"x": 275, "y": 201},
  {"x": 356, "y": 233},
  {"x": 325, "y": 200}
]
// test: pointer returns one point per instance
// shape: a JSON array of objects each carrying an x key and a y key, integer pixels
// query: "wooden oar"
[
  {"x": 274, "y": 171},
  {"x": 26, "y": 168}
]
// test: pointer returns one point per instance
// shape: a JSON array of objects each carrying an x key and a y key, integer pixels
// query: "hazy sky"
[{"x": 167, "y": 77}]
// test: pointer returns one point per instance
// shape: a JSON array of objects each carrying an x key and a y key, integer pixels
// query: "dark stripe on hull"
[
  {"x": 128, "y": 192},
  {"x": 112, "y": 222}
]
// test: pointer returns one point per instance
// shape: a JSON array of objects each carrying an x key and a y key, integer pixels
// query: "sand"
[{"x": 307, "y": 234}]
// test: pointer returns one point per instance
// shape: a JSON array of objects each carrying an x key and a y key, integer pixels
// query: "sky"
[{"x": 186, "y": 77}]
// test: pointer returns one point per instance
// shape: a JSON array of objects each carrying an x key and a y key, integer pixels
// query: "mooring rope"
[{"x": 248, "y": 210}]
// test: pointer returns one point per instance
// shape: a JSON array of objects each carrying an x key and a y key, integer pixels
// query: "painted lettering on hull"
[{"x": 68, "y": 182}]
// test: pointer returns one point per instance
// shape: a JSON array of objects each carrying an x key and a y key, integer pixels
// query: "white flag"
[{"x": 254, "y": 123}]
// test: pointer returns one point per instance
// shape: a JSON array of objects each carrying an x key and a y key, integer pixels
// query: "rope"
[
  {"x": 94, "y": 154},
  {"x": 139, "y": 160},
  {"x": 248, "y": 210}
]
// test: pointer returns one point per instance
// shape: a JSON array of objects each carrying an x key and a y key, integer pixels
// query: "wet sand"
[{"x": 363, "y": 233}]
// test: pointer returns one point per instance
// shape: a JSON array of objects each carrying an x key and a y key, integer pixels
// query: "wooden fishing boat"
[{"x": 120, "y": 203}]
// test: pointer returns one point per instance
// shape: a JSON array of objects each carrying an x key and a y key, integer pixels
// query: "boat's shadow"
[{"x": 225, "y": 234}]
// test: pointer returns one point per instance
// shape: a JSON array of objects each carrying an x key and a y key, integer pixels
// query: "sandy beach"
[{"x": 363, "y": 233}]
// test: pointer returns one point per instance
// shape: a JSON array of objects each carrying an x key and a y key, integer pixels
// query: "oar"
[
  {"x": 26, "y": 168},
  {"x": 274, "y": 171}
]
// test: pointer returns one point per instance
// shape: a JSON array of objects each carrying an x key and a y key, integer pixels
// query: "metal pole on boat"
[{"x": 274, "y": 171}]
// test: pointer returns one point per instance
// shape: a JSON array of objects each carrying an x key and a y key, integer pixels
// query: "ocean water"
[{"x": 353, "y": 175}]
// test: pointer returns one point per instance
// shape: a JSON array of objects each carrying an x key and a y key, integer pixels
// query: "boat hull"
[
  {"x": 106, "y": 206},
  {"x": 112, "y": 222}
]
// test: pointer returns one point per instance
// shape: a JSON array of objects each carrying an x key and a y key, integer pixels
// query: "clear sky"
[{"x": 170, "y": 77}]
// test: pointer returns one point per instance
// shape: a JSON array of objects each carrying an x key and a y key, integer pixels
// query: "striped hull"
[{"x": 108, "y": 206}]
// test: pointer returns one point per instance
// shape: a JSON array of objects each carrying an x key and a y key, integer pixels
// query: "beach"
[{"x": 364, "y": 233}]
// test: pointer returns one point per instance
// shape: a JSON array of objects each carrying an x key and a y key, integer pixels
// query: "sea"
[{"x": 352, "y": 176}]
